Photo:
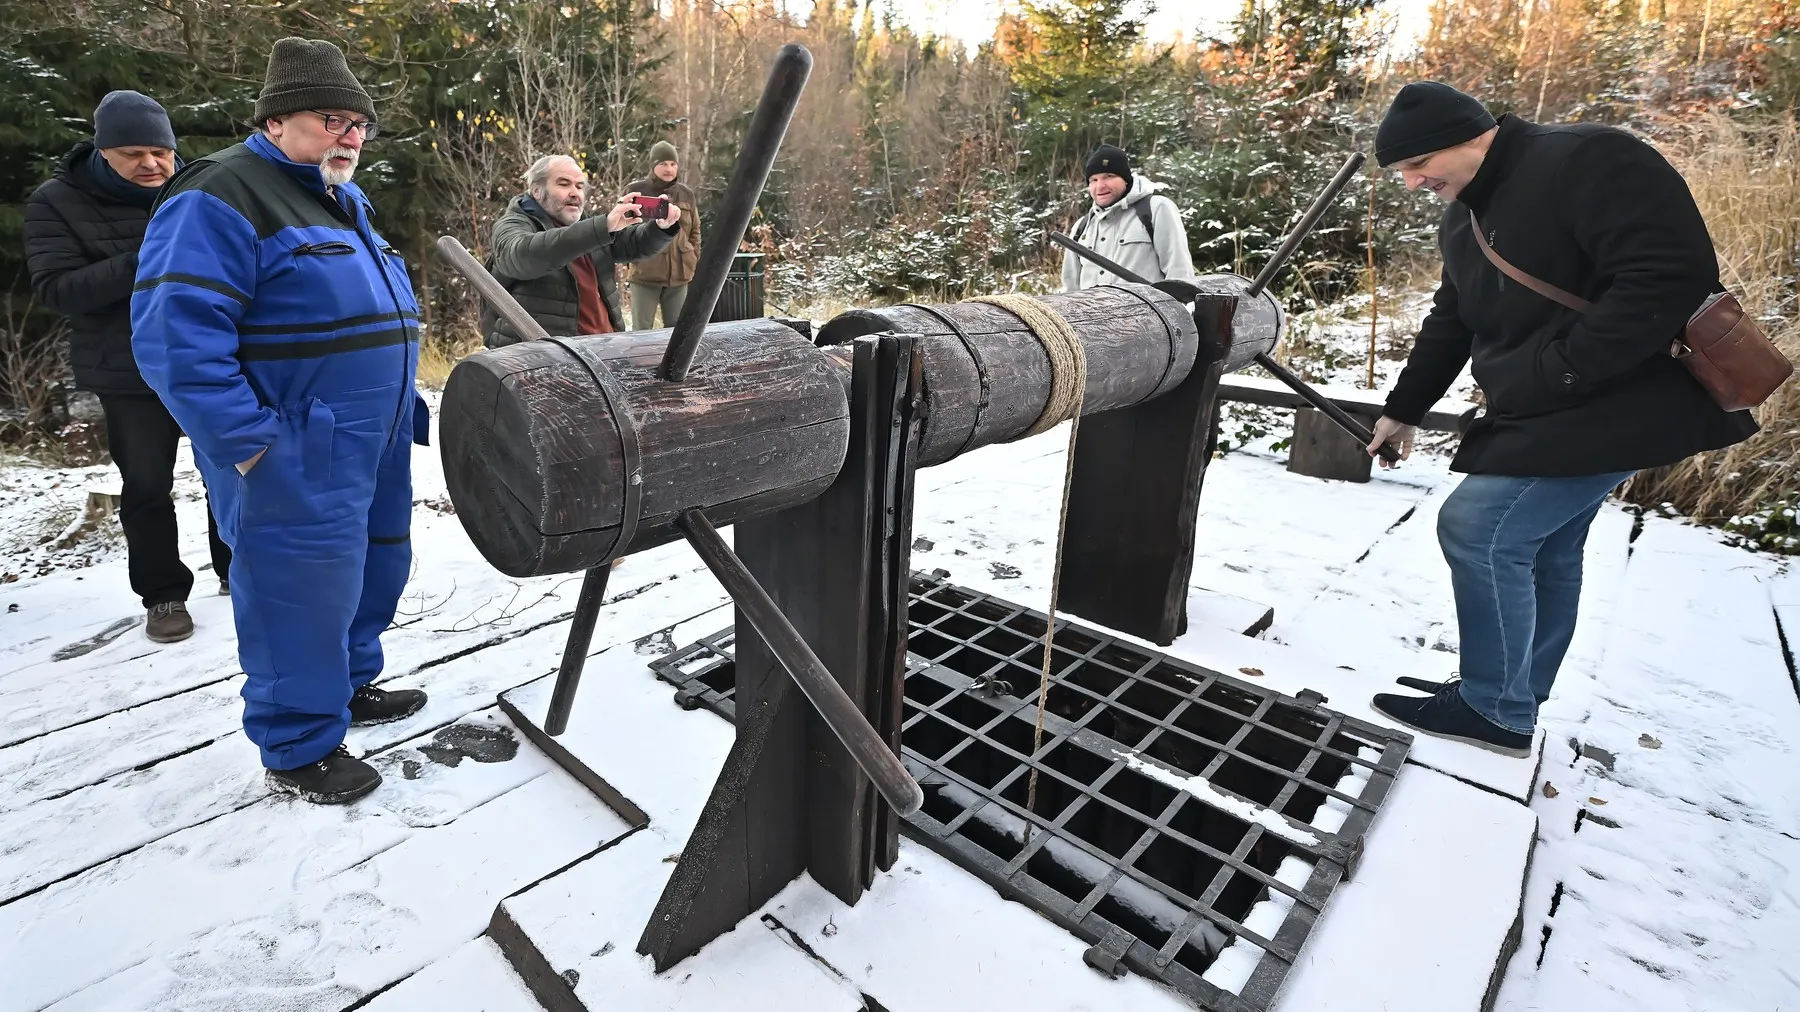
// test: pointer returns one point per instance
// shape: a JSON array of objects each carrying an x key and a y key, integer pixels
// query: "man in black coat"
[
  {"x": 82, "y": 232},
  {"x": 1576, "y": 402}
]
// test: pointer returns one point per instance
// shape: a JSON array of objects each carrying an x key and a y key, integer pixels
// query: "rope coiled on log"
[{"x": 1068, "y": 358}]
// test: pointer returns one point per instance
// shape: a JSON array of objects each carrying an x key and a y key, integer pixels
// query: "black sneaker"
[
  {"x": 334, "y": 780},
  {"x": 378, "y": 706},
  {"x": 1445, "y": 715}
]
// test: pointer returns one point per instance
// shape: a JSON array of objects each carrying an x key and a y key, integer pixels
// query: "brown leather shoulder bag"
[{"x": 1721, "y": 345}]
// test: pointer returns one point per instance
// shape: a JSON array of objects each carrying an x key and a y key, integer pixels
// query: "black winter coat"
[
  {"x": 1597, "y": 212},
  {"x": 81, "y": 246}
]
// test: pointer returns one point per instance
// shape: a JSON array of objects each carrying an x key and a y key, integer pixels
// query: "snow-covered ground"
[{"x": 1655, "y": 841}]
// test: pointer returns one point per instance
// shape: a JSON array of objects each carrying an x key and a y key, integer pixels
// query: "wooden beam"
[{"x": 1129, "y": 548}]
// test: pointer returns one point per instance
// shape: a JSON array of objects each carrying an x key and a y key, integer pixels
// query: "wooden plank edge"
[
  {"x": 550, "y": 988},
  {"x": 1515, "y": 935},
  {"x": 608, "y": 795}
]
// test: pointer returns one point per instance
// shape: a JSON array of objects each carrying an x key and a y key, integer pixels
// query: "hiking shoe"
[
  {"x": 1445, "y": 715},
  {"x": 169, "y": 622},
  {"x": 224, "y": 588},
  {"x": 378, "y": 706},
  {"x": 334, "y": 780}
]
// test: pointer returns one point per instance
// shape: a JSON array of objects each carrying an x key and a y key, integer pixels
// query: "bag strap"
[
  {"x": 1146, "y": 217},
  {"x": 1544, "y": 288}
]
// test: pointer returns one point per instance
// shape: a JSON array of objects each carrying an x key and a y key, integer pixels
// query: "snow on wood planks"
[
  {"x": 454, "y": 601},
  {"x": 1392, "y": 614},
  {"x": 290, "y": 905},
  {"x": 53, "y": 838},
  {"x": 474, "y": 978},
  {"x": 581, "y": 926},
  {"x": 1669, "y": 871},
  {"x": 994, "y": 530}
]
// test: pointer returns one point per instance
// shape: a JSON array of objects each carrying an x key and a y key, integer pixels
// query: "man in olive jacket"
[
  {"x": 558, "y": 263},
  {"x": 662, "y": 280},
  {"x": 1576, "y": 402}
]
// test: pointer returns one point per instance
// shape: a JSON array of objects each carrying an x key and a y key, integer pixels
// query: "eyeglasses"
[{"x": 342, "y": 125}]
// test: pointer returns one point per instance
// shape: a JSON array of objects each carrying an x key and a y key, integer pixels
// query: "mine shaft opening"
[{"x": 1156, "y": 780}]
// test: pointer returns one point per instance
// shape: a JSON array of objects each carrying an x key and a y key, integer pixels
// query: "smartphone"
[{"x": 654, "y": 208}]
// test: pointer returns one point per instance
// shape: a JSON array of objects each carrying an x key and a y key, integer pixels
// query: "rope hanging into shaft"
[
  {"x": 1068, "y": 385},
  {"x": 1068, "y": 358}
]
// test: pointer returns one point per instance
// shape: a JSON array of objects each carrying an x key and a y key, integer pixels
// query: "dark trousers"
[{"x": 143, "y": 436}]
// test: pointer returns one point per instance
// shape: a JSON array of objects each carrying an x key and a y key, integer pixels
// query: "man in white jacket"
[{"x": 1128, "y": 225}]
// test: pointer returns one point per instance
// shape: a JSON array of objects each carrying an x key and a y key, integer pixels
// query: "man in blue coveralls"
[{"x": 281, "y": 331}]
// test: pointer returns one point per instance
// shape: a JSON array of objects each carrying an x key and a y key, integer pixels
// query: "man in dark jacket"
[
  {"x": 281, "y": 330},
  {"x": 559, "y": 264},
  {"x": 82, "y": 232},
  {"x": 661, "y": 280},
  {"x": 1576, "y": 402}
]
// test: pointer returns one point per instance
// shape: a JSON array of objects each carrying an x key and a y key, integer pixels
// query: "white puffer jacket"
[{"x": 1117, "y": 234}]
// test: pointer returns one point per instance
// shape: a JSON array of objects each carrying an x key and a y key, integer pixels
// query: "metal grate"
[{"x": 1188, "y": 824}]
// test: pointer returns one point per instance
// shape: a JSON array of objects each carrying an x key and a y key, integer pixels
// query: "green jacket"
[{"x": 530, "y": 255}]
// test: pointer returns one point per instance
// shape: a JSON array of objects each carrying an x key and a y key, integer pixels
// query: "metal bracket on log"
[{"x": 791, "y": 798}]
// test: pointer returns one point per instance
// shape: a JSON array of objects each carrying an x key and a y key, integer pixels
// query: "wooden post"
[
  {"x": 1129, "y": 549},
  {"x": 1322, "y": 449},
  {"x": 790, "y": 798}
]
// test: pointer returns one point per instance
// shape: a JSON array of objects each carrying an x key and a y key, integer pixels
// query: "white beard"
[{"x": 337, "y": 177}]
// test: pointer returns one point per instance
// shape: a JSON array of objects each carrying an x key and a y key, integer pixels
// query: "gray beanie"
[
  {"x": 127, "y": 119},
  {"x": 309, "y": 75},
  {"x": 662, "y": 151}
]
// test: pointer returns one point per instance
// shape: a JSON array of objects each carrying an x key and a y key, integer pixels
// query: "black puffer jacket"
[
  {"x": 81, "y": 246},
  {"x": 1594, "y": 211}
]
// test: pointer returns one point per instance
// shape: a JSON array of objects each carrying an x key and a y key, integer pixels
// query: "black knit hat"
[
  {"x": 1107, "y": 158},
  {"x": 1428, "y": 116},
  {"x": 309, "y": 75},
  {"x": 127, "y": 119}
]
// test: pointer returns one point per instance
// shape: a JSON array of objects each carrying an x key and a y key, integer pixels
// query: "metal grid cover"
[{"x": 1168, "y": 795}]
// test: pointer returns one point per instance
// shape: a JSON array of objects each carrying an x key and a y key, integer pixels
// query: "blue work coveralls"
[{"x": 270, "y": 315}]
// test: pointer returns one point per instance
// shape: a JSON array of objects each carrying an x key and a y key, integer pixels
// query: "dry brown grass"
[
  {"x": 443, "y": 348},
  {"x": 1746, "y": 179}
]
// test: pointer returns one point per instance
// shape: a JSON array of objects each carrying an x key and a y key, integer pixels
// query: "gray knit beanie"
[
  {"x": 309, "y": 75},
  {"x": 662, "y": 151},
  {"x": 128, "y": 119}
]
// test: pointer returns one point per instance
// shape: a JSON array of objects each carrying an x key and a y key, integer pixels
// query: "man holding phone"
[{"x": 559, "y": 263}]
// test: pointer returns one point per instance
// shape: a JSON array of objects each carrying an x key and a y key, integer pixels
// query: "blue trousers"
[
  {"x": 1514, "y": 546},
  {"x": 320, "y": 536}
]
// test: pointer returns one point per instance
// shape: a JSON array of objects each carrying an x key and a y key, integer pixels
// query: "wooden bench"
[{"x": 1319, "y": 448}]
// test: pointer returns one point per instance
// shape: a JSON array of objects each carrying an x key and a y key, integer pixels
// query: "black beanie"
[
  {"x": 127, "y": 119},
  {"x": 309, "y": 75},
  {"x": 1428, "y": 116},
  {"x": 1107, "y": 158}
]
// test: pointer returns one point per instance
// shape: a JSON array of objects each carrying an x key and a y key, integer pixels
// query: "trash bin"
[{"x": 742, "y": 296}]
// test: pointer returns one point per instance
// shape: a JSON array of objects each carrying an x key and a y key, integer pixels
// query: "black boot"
[
  {"x": 378, "y": 706},
  {"x": 338, "y": 778},
  {"x": 1446, "y": 715}
]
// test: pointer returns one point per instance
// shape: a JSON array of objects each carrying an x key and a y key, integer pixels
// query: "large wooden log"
[
  {"x": 561, "y": 455},
  {"x": 987, "y": 377}
]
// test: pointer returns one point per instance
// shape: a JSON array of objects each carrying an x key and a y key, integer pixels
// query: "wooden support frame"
[
  {"x": 1128, "y": 551},
  {"x": 790, "y": 797}
]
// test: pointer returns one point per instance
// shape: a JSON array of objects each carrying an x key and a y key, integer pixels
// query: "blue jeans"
[{"x": 1514, "y": 546}]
